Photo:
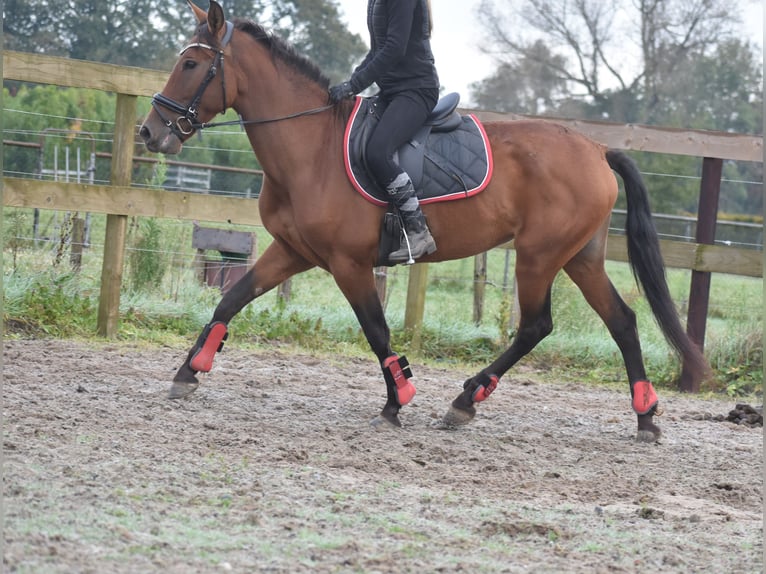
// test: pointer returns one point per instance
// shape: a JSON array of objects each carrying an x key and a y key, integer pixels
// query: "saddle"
[{"x": 448, "y": 158}]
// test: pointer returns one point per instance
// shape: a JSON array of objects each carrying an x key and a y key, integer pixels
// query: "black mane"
[{"x": 284, "y": 51}]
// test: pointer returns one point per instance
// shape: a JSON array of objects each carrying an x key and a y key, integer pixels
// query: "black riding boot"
[{"x": 416, "y": 239}]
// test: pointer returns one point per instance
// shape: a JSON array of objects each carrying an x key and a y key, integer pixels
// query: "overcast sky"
[{"x": 457, "y": 36}]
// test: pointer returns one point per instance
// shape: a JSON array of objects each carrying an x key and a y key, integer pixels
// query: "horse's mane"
[{"x": 284, "y": 51}]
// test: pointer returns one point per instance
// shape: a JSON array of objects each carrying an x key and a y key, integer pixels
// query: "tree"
[
  {"x": 525, "y": 86},
  {"x": 125, "y": 32},
  {"x": 663, "y": 62},
  {"x": 29, "y": 28},
  {"x": 731, "y": 74},
  {"x": 589, "y": 44},
  {"x": 148, "y": 33},
  {"x": 314, "y": 27},
  {"x": 24, "y": 121}
]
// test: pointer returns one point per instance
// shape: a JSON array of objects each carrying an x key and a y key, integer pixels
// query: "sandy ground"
[{"x": 272, "y": 466}]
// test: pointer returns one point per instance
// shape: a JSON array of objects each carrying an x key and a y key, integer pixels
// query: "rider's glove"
[{"x": 341, "y": 92}]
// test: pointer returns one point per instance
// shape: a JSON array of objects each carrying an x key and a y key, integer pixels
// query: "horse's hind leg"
[
  {"x": 358, "y": 285},
  {"x": 535, "y": 324},
  {"x": 588, "y": 273},
  {"x": 276, "y": 264}
]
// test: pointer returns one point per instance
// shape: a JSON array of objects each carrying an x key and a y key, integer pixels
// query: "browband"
[{"x": 224, "y": 42}]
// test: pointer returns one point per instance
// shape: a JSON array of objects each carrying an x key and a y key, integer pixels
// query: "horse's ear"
[
  {"x": 198, "y": 12},
  {"x": 216, "y": 22}
]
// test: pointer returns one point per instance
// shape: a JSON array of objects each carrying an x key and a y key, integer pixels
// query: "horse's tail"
[{"x": 647, "y": 264}]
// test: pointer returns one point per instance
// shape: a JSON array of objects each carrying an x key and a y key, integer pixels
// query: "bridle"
[{"x": 187, "y": 121}]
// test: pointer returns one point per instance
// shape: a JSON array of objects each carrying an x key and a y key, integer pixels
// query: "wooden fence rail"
[{"x": 120, "y": 199}]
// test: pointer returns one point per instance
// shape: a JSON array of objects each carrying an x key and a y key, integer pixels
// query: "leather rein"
[{"x": 187, "y": 121}]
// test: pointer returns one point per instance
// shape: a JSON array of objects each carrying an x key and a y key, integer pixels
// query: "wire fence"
[{"x": 180, "y": 260}]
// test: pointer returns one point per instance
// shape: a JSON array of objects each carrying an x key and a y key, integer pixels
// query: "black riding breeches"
[{"x": 403, "y": 117}]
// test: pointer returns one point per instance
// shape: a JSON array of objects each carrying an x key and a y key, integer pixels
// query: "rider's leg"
[
  {"x": 405, "y": 114},
  {"x": 417, "y": 240}
]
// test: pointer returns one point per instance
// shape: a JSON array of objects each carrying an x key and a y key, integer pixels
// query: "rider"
[{"x": 401, "y": 63}]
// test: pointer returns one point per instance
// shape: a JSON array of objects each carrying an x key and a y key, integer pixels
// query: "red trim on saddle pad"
[
  {"x": 403, "y": 389},
  {"x": 214, "y": 338},
  {"x": 644, "y": 397},
  {"x": 347, "y": 161}
]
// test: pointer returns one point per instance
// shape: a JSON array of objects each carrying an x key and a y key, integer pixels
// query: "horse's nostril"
[{"x": 144, "y": 132}]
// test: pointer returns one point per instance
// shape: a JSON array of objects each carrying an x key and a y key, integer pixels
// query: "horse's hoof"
[
  {"x": 647, "y": 436},
  {"x": 647, "y": 430},
  {"x": 179, "y": 390},
  {"x": 458, "y": 417},
  {"x": 382, "y": 423}
]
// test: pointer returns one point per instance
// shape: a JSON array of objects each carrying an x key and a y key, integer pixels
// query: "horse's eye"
[{"x": 190, "y": 64}]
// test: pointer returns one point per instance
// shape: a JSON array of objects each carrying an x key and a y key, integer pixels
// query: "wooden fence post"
[
  {"x": 76, "y": 243},
  {"x": 416, "y": 302},
  {"x": 117, "y": 225},
  {"x": 284, "y": 290},
  {"x": 699, "y": 292},
  {"x": 381, "y": 283},
  {"x": 479, "y": 286}
]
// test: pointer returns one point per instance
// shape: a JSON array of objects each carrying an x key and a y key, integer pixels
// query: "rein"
[
  {"x": 187, "y": 122},
  {"x": 241, "y": 122}
]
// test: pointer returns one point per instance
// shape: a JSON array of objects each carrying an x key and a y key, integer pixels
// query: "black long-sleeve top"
[{"x": 400, "y": 56}]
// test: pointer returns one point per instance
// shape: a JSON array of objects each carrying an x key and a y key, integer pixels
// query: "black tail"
[{"x": 648, "y": 266}]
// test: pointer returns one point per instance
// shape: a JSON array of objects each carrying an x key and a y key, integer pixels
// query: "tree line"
[
  {"x": 148, "y": 33},
  {"x": 677, "y": 63}
]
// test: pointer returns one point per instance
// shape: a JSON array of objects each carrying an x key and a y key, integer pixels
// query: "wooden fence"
[{"x": 120, "y": 199}]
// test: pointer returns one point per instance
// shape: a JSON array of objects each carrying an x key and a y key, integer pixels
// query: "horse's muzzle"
[{"x": 160, "y": 139}]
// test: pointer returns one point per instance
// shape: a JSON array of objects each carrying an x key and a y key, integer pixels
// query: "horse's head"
[{"x": 196, "y": 90}]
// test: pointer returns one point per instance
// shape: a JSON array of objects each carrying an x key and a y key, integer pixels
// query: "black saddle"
[{"x": 448, "y": 158}]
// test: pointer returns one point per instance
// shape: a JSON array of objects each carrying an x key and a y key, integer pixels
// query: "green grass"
[{"x": 47, "y": 299}]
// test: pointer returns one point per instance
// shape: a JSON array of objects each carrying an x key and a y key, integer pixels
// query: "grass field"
[{"x": 162, "y": 302}]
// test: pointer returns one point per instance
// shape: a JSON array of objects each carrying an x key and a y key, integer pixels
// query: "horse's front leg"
[{"x": 276, "y": 264}]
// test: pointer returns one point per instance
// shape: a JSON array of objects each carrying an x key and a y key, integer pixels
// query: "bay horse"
[{"x": 552, "y": 192}]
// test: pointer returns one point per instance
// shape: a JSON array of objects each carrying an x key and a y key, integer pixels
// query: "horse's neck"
[{"x": 283, "y": 146}]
